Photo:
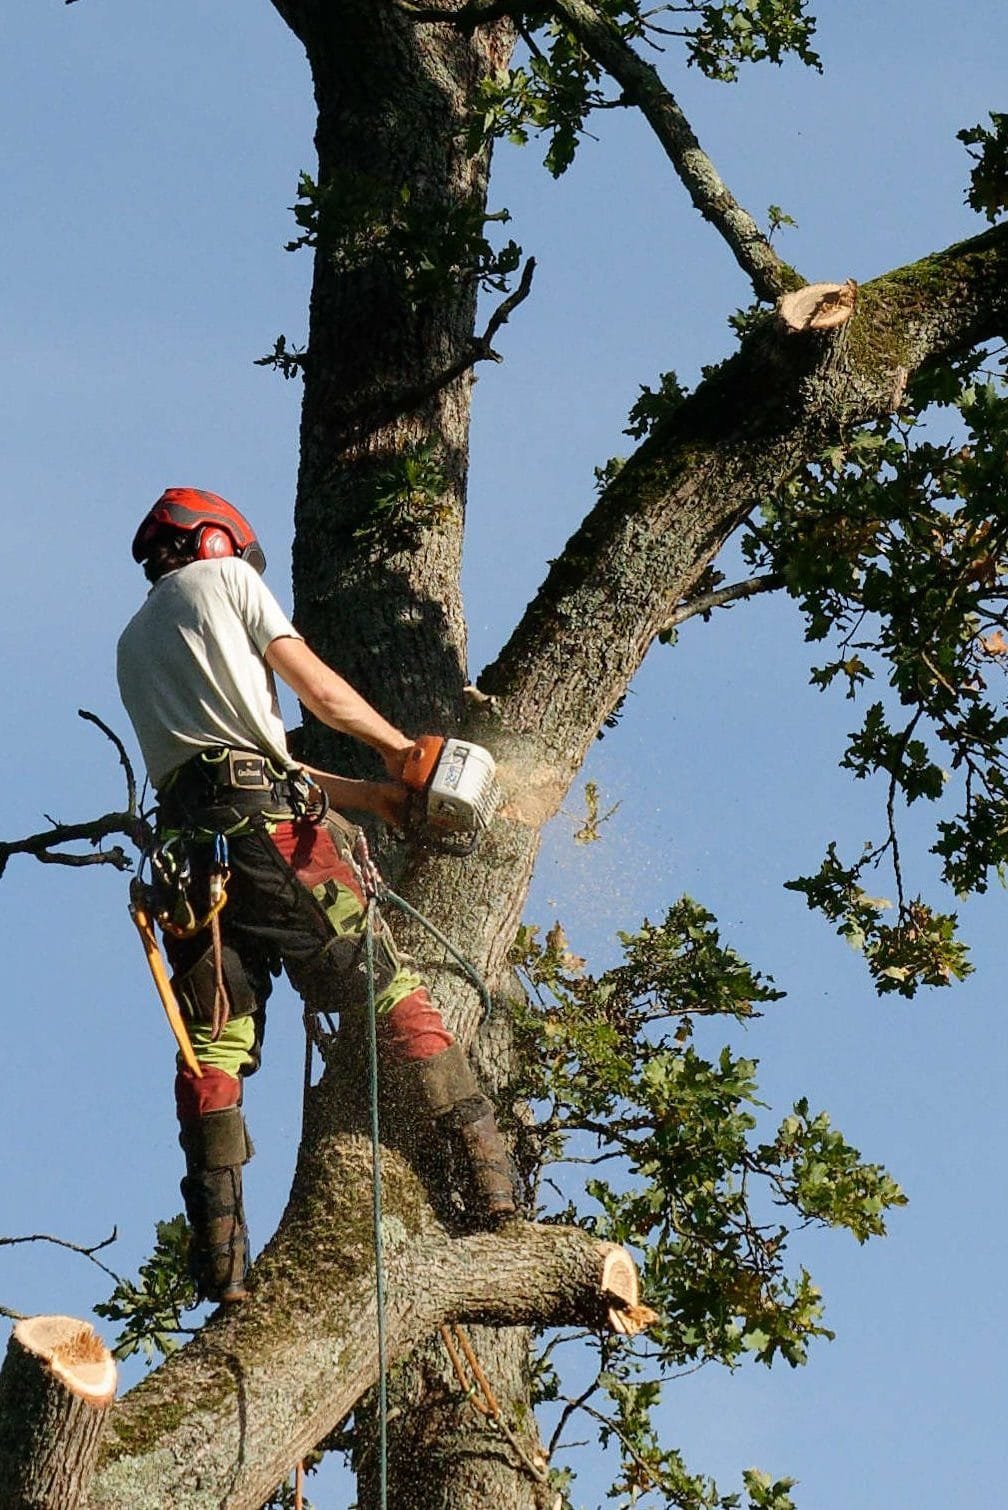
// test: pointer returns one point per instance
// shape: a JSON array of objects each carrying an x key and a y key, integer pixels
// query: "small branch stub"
[
  {"x": 57, "y": 1383},
  {"x": 818, "y": 306}
]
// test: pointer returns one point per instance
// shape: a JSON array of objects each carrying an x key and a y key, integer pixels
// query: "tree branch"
[
  {"x": 86, "y": 1250},
  {"x": 124, "y": 760},
  {"x": 660, "y": 521},
  {"x": 479, "y": 349},
  {"x": 642, "y": 86},
  {"x": 44, "y": 845},
  {"x": 737, "y": 592},
  {"x": 274, "y": 1377}
]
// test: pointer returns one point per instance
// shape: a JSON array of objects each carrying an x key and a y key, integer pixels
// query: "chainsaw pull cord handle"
[{"x": 421, "y": 761}]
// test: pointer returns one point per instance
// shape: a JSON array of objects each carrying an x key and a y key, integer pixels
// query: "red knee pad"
[
  {"x": 214, "y": 1091},
  {"x": 413, "y": 1029}
]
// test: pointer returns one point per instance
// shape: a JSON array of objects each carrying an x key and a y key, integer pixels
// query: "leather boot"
[
  {"x": 216, "y": 1146},
  {"x": 448, "y": 1088}
]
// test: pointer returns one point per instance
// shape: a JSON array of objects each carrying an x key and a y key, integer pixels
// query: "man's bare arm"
[{"x": 325, "y": 693}]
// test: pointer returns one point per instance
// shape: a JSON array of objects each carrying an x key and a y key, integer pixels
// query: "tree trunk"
[
  {"x": 56, "y": 1385},
  {"x": 379, "y": 596},
  {"x": 393, "y": 102}
]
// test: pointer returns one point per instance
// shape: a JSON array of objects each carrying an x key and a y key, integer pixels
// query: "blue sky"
[{"x": 150, "y": 157}]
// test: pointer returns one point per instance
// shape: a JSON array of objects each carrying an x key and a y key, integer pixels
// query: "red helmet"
[{"x": 220, "y": 529}]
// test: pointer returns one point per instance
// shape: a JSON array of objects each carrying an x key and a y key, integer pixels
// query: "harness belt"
[{"x": 241, "y": 770}]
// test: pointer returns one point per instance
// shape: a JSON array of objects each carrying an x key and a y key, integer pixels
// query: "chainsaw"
[{"x": 455, "y": 786}]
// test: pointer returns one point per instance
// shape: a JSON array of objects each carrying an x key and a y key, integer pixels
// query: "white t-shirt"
[{"x": 191, "y": 669}]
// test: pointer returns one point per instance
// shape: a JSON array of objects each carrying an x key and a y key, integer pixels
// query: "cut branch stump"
[
  {"x": 56, "y": 1386},
  {"x": 818, "y": 306}
]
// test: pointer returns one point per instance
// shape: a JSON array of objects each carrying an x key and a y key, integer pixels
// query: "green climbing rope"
[{"x": 377, "y": 1213}]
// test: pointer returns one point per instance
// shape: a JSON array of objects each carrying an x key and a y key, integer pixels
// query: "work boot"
[
  {"x": 447, "y": 1086},
  {"x": 216, "y": 1146},
  {"x": 487, "y": 1159}
]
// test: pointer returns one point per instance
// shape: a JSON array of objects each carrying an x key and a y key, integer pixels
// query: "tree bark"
[
  {"x": 221, "y": 1422},
  {"x": 56, "y": 1386}
]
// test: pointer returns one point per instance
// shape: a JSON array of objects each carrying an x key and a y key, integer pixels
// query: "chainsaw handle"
[{"x": 421, "y": 760}]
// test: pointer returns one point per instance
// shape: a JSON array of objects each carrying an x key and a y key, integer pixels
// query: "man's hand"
[{"x": 387, "y": 800}]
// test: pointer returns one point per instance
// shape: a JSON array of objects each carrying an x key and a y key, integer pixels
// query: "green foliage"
[
  {"x": 560, "y": 85},
  {"x": 688, "y": 1182},
  {"x": 988, "y": 190},
  {"x": 289, "y": 361},
  {"x": 407, "y": 496},
  {"x": 650, "y": 407},
  {"x": 356, "y": 218},
  {"x": 590, "y": 830},
  {"x": 777, "y": 219},
  {"x": 727, "y": 35},
  {"x": 895, "y": 545},
  {"x": 552, "y": 95},
  {"x": 921, "y": 948},
  {"x": 150, "y": 1309},
  {"x": 605, "y": 474},
  {"x": 653, "y": 405}
]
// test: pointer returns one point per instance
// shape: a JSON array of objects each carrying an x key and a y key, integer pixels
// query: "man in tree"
[{"x": 196, "y": 671}]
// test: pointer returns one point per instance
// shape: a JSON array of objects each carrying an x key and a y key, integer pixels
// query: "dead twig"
[
  {"x": 46, "y": 845},
  {"x": 86, "y": 1250}
]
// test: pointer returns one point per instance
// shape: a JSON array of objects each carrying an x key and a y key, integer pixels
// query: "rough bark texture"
[
  {"x": 56, "y": 1386},
  {"x": 222, "y": 1421}
]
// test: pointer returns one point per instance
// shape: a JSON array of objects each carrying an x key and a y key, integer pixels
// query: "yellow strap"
[{"x": 145, "y": 929}]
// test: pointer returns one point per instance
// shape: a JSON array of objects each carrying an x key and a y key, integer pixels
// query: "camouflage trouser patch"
[
  {"x": 296, "y": 901},
  {"x": 395, "y": 978}
]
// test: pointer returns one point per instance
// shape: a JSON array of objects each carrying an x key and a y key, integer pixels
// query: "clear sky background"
[{"x": 150, "y": 156}]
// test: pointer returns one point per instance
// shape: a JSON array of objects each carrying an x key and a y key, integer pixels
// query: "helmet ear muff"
[{"x": 212, "y": 543}]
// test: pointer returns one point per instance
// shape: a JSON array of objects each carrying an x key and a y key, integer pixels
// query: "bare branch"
[
  {"x": 479, "y": 349},
  {"x": 642, "y": 86},
  {"x": 737, "y": 592},
  {"x": 124, "y": 760},
  {"x": 86, "y": 1250},
  {"x": 45, "y": 845}
]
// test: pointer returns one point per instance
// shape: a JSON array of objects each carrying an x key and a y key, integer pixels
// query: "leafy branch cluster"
[
  {"x": 561, "y": 83},
  {"x": 895, "y": 545},
  {"x": 355, "y": 217},
  {"x": 988, "y": 190},
  {"x": 406, "y": 494},
  {"x": 678, "y": 1171},
  {"x": 150, "y": 1309}
]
